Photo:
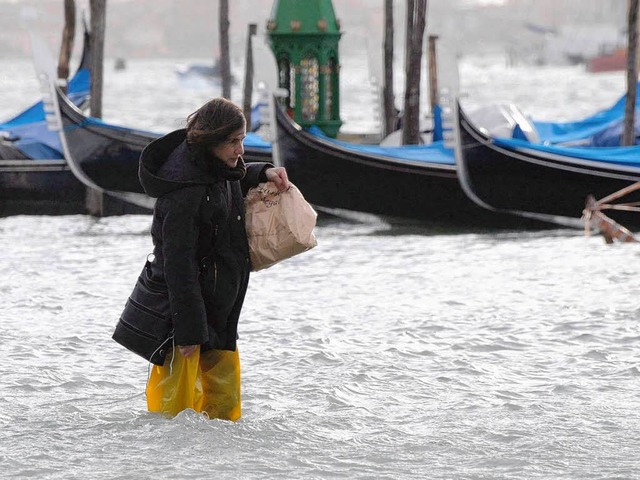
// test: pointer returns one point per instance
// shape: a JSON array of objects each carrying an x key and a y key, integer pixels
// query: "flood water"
[{"x": 385, "y": 352}]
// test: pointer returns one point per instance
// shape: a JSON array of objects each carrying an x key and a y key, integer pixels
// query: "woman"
[{"x": 201, "y": 255}]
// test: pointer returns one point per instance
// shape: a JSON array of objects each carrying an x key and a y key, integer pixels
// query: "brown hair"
[{"x": 212, "y": 124}]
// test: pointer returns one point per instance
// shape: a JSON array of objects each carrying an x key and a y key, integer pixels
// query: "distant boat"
[
  {"x": 199, "y": 69},
  {"x": 198, "y": 75},
  {"x": 120, "y": 64},
  {"x": 611, "y": 61}
]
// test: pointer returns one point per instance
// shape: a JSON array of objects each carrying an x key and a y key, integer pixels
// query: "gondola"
[
  {"x": 105, "y": 157},
  {"x": 34, "y": 177},
  {"x": 409, "y": 184},
  {"x": 544, "y": 181}
]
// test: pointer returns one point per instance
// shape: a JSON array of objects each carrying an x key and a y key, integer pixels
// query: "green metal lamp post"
[{"x": 304, "y": 38}]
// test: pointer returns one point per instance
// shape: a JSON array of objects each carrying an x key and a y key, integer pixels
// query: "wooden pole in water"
[
  {"x": 225, "y": 68},
  {"x": 408, "y": 29},
  {"x": 95, "y": 200},
  {"x": 248, "y": 75},
  {"x": 98, "y": 16},
  {"x": 416, "y": 23},
  {"x": 433, "y": 73},
  {"x": 389, "y": 103},
  {"x": 628, "y": 137},
  {"x": 66, "y": 46}
]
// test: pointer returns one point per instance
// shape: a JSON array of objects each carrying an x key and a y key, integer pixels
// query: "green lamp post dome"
[{"x": 304, "y": 38}]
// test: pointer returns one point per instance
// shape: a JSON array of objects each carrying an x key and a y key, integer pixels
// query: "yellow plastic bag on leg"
[
  {"x": 176, "y": 385},
  {"x": 205, "y": 382},
  {"x": 220, "y": 372}
]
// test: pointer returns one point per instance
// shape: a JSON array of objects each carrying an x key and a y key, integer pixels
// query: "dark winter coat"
[{"x": 201, "y": 255}]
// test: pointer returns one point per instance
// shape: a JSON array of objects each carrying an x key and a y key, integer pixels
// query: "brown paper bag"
[{"x": 279, "y": 224}]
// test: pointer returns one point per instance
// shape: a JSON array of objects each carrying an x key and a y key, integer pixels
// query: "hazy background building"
[{"x": 527, "y": 30}]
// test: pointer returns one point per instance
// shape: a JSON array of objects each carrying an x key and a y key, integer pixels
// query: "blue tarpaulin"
[
  {"x": 78, "y": 91},
  {"x": 556, "y": 132},
  {"x": 612, "y": 135},
  {"x": 434, "y": 152},
  {"x": 30, "y": 126},
  {"x": 627, "y": 156}
]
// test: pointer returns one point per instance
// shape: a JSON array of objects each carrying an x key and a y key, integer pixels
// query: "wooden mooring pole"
[
  {"x": 248, "y": 75},
  {"x": 94, "y": 202},
  {"x": 225, "y": 67},
  {"x": 416, "y": 24},
  {"x": 389, "y": 102},
  {"x": 98, "y": 16},
  {"x": 66, "y": 46},
  {"x": 434, "y": 101},
  {"x": 628, "y": 137}
]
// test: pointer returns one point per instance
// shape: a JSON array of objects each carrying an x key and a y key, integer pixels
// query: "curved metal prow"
[{"x": 51, "y": 97}]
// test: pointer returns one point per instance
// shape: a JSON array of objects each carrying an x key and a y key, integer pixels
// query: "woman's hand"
[
  {"x": 278, "y": 175},
  {"x": 187, "y": 350}
]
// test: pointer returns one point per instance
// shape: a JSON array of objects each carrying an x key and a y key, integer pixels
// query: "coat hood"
[{"x": 165, "y": 166}]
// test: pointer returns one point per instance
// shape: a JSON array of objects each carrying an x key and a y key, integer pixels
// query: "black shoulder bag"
[{"x": 145, "y": 325}]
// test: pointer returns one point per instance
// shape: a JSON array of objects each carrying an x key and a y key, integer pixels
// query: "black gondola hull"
[
  {"x": 49, "y": 187},
  {"x": 42, "y": 187},
  {"x": 536, "y": 182},
  {"x": 332, "y": 177},
  {"x": 108, "y": 155}
]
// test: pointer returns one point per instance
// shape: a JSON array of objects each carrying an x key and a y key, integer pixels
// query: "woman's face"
[{"x": 229, "y": 150}]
